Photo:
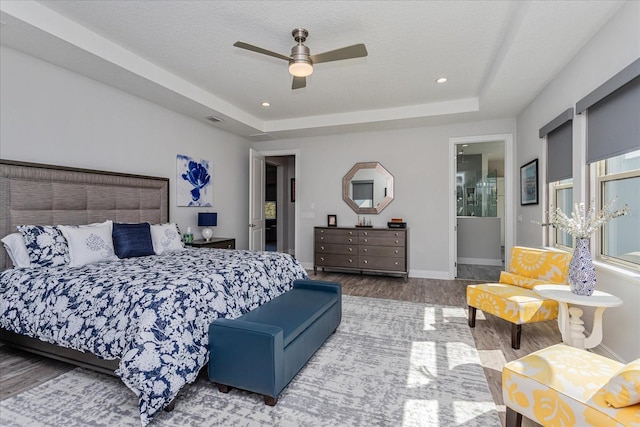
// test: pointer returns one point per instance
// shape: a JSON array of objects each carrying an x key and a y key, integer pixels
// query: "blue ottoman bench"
[{"x": 263, "y": 350}]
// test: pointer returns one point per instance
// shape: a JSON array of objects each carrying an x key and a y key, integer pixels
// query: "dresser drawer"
[
  {"x": 381, "y": 263},
  {"x": 333, "y": 248},
  {"x": 382, "y": 241},
  {"x": 398, "y": 234},
  {"x": 382, "y": 251},
  {"x": 332, "y": 231},
  {"x": 337, "y": 238},
  {"x": 333, "y": 260}
]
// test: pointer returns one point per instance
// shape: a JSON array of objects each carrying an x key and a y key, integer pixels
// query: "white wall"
[
  {"x": 615, "y": 46},
  {"x": 50, "y": 115},
  {"x": 418, "y": 160}
]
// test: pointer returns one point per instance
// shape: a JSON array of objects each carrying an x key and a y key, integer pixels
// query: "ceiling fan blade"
[
  {"x": 299, "y": 82},
  {"x": 355, "y": 51},
  {"x": 257, "y": 49}
]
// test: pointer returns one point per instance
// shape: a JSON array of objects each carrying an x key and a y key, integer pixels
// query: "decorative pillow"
[
  {"x": 132, "y": 240},
  {"x": 166, "y": 238},
  {"x": 89, "y": 244},
  {"x": 623, "y": 389},
  {"x": 45, "y": 244},
  {"x": 16, "y": 249}
]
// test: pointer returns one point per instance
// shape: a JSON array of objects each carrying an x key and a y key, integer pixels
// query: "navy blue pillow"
[{"x": 132, "y": 240}]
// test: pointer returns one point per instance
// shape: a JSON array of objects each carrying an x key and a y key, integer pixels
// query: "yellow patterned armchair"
[
  {"x": 513, "y": 298},
  {"x": 565, "y": 386}
]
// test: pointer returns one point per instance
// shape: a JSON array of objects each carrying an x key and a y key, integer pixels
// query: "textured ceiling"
[{"x": 497, "y": 55}]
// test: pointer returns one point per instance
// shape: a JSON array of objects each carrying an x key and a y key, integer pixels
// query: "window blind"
[
  {"x": 559, "y": 132},
  {"x": 362, "y": 190},
  {"x": 613, "y": 119}
]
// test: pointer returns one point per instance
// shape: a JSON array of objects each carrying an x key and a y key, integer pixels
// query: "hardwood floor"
[{"x": 21, "y": 371}]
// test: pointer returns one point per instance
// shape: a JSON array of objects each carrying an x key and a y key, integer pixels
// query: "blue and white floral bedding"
[{"x": 152, "y": 312}]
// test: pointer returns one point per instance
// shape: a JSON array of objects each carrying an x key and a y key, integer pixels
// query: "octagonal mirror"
[{"x": 367, "y": 188}]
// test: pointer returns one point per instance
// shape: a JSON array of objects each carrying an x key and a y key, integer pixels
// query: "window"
[
  {"x": 559, "y": 136},
  {"x": 612, "y": 152},
  {"x": 561, "y": 197},
  {"x": 363, "y": 193},
  {"x": 619, "y": 177}
]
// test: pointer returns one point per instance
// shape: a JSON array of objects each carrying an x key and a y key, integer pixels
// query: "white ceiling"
[{"x": 497, "y": 55}]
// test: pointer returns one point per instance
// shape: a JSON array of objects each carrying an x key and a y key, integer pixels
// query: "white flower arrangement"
[{"x": 582, "y": 224}]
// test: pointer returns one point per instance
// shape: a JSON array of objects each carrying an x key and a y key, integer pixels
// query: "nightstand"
[{"x": 214, "y": 242}]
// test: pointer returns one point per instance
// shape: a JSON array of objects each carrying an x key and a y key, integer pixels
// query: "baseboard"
[
  {"x": 605, "y": 351},
  {"x": 480, "y": 261},
  {"x": 426, "y": 274}
]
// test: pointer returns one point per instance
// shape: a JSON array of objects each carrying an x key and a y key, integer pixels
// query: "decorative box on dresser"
[{"x": 378, "y": 250}]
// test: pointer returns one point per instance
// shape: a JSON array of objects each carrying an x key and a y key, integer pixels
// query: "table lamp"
[{"x": 207, "y": 219}]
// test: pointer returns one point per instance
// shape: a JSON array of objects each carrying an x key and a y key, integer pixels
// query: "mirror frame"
[{"x": 346, "y": 181}]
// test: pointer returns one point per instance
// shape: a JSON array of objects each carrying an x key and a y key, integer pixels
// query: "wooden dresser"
[{"x": 380, "y": 250}]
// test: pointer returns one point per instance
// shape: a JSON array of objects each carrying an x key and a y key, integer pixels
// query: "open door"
[{"x": 256, "y": 200}]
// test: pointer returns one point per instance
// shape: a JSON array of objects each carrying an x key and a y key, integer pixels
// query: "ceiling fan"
[{"x": 301, "y": 61}]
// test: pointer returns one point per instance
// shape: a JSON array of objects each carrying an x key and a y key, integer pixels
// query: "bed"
[{"x": 144, "y": 319}]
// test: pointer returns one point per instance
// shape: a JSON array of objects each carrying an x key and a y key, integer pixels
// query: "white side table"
[{"x": 569, "y": 318}]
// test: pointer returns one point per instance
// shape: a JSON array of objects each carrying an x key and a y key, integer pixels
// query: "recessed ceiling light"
[
  {"x": 265, "y": 104},
  {"x": 442, "y": 80}
]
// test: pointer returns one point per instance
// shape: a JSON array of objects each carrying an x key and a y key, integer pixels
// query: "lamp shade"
[{"x": 207, "y": 219}]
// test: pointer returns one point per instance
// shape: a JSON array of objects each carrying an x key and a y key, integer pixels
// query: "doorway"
[
  {"x": 279, "y": 207},
  {"x": 480, "y": 206}
]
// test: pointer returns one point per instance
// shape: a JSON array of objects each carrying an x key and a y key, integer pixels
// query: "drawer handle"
[
  {"x": 321, "y": 231},
  {"x": 366, "y": 233},
  {"x": 350, "y": 233},
  {"x": 365, "y": 249},
  {"x": 365, "y": 261},
  {"x": 366, "y": 240},
  {"x": 397, "y": 234},
  {"x": 321, "y": 259},
  {"x": 396, "y": 251},
  {"x": 350, "y": 240},
  {"x": 350, "y": 249},
  {"x": 350, "y": 260},
  {"x": 322, "y": 247},
  {"x": 396, "y": 263},
  {"x": 322, "y": 238},
  {"x": 397, "y": 241}
]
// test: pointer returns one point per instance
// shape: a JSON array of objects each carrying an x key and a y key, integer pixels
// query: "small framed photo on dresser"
[{"x": 332, "y": 220}]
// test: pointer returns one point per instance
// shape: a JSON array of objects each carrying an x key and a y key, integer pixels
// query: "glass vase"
[{"x": 582, "y": 273}]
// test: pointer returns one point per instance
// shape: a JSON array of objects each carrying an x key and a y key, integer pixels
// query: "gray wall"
[
  {"x": 417, "y": 159},
  {"x": 613, "y": 48},
  {"x": 50, "y": 115}
]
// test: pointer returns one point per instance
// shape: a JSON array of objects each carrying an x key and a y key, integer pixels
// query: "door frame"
[
  {"x": 509, "y": 206},
  {"x": 296, "y": 154}
]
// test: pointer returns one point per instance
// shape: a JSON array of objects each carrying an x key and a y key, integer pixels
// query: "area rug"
[{"x": 390, "y": 363}]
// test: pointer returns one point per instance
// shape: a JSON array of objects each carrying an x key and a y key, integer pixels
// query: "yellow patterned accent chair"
[
  {"x": 513, "y": 298},
  {"x": 567, "y": 386}
]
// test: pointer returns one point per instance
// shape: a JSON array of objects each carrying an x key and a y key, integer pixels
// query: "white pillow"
[
  {"x": 17, "y": 250},
  {"x": 166, "y": 238},
  {"x": 89, "y": 244}
]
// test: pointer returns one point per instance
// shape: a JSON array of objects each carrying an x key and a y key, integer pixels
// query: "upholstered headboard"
[{"x": 50, "y": 195}]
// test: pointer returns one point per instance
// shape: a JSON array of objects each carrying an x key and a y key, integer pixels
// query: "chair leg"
[
  {"x": 516, "y": 331},
  {"x": 514, "y": 419},
  {"x": 472, "y": 317}
]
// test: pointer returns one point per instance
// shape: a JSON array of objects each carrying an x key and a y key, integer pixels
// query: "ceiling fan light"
[{"x": 300, "y": 69}]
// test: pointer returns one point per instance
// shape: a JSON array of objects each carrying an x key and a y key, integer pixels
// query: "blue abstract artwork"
[{"x": 193, "y": 182}]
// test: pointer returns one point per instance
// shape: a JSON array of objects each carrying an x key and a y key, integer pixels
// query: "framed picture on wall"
[
  {"x": 529, "y": 183},
  {"x": 332, "y": 220}
]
